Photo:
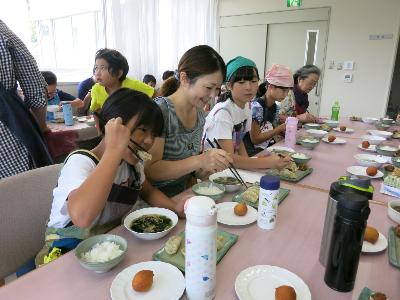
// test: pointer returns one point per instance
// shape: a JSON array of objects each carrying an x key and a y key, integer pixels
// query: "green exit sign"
[{"x": 293, "y": 3}]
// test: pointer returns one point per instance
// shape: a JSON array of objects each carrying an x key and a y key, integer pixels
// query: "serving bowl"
[
  {"x": 206, "y": 188},
  {"x": 300, "y": 158},
  {"x": 332, "y": 123},
  {"x": 317, "y": 133},
  {"x": 381, "y": 126},
  {"x": 386, "y": 150},
  {"x": 309, "y": 143},
  {"x": 369, "y": 160},
  {"x": 228, "y": 187},
  {"x": 91, "y": 122},
  {"x": 387, "y": 121},
  {"x": 100, "y": 267},
  {"x": 382, "y": 133},
  {"x": 373, "y": 139},
  {"x": 312, "y": 126},
  {"x": 150, "y": 211},
  {"x": 53, "y": 108},
  {"x": 396, "y": 161},
  {"x": 394, "y": 214}
]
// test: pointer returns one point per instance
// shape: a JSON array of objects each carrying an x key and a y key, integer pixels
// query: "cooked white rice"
[
  {"x": 208, "y": 190},
  {"x": 102, "y": 252}
]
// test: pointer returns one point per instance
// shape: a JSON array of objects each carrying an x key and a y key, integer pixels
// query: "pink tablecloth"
[
  {"x": 62, "y": 139},
  {"x": 293, "y": 245}
]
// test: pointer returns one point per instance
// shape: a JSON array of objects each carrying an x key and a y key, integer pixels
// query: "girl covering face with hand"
[
  {"x": 230, "y": 120},
  {"x": 97, "y": 188}
]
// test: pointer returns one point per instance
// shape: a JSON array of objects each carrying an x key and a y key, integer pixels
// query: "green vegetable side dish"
[
  {"x": 226, "y": 180},
  {"x": 151, "y": 223}
]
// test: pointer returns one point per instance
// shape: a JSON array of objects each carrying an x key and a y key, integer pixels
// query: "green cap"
[{"x": 234, "y": 64}]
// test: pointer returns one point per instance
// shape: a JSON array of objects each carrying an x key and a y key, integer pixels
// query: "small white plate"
[
  {"x": 168, "y": 282},
  {"x": 380, "y": 245},
  {"x": 362, "y": 171},
  {"x": 280, "y": 148},
  {"x": 259, "y": 283},
  {"x": 227, "y": 216},
  {"x": 337, "y": 141},
  {"x": 348, "y": 130},
  {"x": 371, "y": 148}
]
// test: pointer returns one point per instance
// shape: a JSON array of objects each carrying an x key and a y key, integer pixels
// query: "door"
[
  {"x": 247, "y": 41},
  {"x": 295, "y": 45}
]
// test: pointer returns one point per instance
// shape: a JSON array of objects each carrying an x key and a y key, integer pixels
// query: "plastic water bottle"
[
  {"x": 290, "y": 133},
  {"x": 335, "y": 111},
  {"x": 67, "y": 111},
  {"x": 200, "y": 248},
  {"x": 268, "y": 202}
]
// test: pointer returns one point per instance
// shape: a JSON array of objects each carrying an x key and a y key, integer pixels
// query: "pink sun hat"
[{"x": 279, "y": 75}]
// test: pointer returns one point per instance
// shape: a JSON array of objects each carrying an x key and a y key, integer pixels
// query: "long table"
[
  {"x": 63, "y": 139},
  {"x": 330, "y": 161},
  {"x": 293, "y": 244}
]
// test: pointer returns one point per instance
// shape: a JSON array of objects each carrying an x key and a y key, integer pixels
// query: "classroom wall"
[{"x": 351, "y": 23}]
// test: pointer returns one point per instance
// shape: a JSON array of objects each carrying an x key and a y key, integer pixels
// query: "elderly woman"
[{"x": 296, "y": 103}]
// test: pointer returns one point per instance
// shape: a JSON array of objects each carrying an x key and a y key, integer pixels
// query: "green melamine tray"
[
  {"x": 365, "y": 294},
  {"x": 178, "y": 260},
  {"x": 283, "y": 193},
  {"x": 394, "y": 248},
  {"x": 299, "y": 175}
]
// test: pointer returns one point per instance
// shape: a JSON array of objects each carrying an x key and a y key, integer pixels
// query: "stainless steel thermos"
[
  {"x": 346, "y": 241},
  {"x": 346, "y": 187}
]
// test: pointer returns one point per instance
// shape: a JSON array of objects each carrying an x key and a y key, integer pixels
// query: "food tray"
[
  {"x": 299, "y": 175},
  {"x": 178, "y": 260},
  {"x": 283, "y": 193},
  {"x": 394, "y": 248},
  {"x": 365, "y": 294}
]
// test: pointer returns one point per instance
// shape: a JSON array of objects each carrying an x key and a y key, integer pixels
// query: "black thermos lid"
[{"x": 338, "y": 189}]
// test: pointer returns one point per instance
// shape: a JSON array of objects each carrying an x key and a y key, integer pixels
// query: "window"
[
  {"x": 63, "y": 36},
  {"x": 311, "y": 47}
]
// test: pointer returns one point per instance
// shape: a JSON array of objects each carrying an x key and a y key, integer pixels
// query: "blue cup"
[{"x": 68, "y": 117}]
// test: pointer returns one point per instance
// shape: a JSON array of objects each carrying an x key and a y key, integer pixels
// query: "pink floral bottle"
[{"x": 291, "y": 130}]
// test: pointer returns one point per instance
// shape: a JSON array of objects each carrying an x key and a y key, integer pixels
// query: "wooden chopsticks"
[{"x": 231, "y": 168}]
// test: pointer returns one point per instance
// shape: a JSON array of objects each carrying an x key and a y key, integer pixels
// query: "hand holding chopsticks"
[{"x": 231, "y": 168}]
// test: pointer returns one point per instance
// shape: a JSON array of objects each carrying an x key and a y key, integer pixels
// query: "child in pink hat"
[{"x": 265, "y": 129}]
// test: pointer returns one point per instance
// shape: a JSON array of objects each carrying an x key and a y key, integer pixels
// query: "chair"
[{"x": 25, "y": 203}]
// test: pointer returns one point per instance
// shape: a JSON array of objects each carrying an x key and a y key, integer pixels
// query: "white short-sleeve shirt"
[
  {"x": 75, "y": 171},
  {"x": 222, "y": 120}
]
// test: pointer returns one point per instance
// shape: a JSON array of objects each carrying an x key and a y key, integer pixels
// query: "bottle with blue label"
[
  {"x": 268, "y": 202},
  {"x": 200, "y": 248},
  {"x": 67, "y": 111}
]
